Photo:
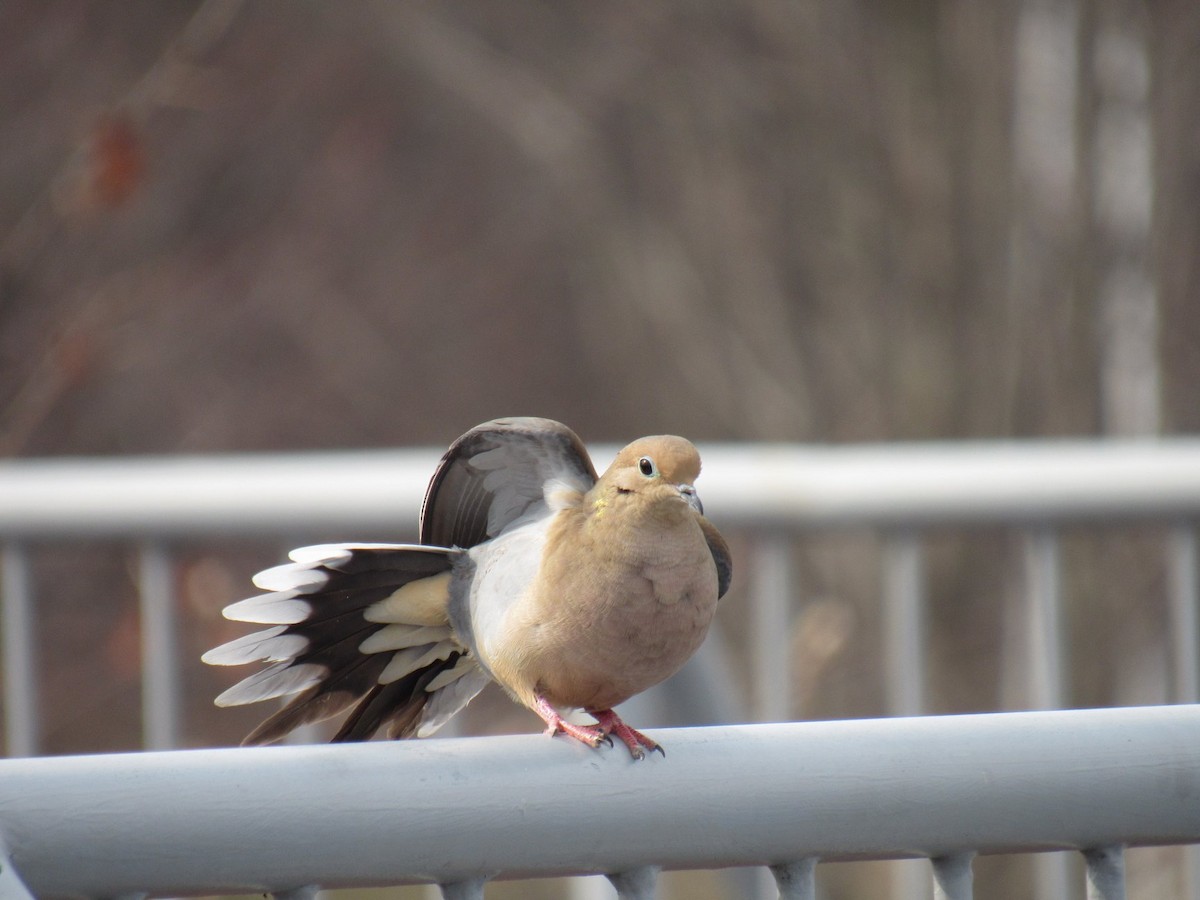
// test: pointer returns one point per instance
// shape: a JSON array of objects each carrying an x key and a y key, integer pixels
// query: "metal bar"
[
  {"x": 160, "y": 653},
  {"x": 467, "y": 889},
  {"x": 952, "y": 877},
  {"x": 796, "y": 880},
  {"x": 1043, "y": 622},
  {"x": 20, "y": 653},
  {"x": 636, "y": 884},
  {"x": 1184, "y": 597},
  {"x": 1183, "y": 588},
  {"x": 771, "y": 565},
  {"x": 1183, "y": 618},
  {"x": 904, "y": 624},
  {"x": 1045, "y": 687},
  {"x": 1183, "y": 593},
  {"x": 244, "y": 494},
  {"x": 11, "y": 885},
  {"x": 937, "y": 786},
  {"x": 306, "y": 892},
  {"x": 1105, "y": 873},
  {"x": 764, "y": 485}
]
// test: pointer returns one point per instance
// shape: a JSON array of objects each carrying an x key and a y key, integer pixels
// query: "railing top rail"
[
  {"x": 747, "y": 485},
  {"x": 446, "y": 810}
]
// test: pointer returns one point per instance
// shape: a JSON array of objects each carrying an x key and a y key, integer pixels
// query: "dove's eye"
[{"x": 646, "y": 467}]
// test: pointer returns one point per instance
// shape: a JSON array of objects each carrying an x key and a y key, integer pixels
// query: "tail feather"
[
  {"x": 277, "y": 608},
  {"x": 336, "y": 692},
  {"x": 278, "y": 680},
  {"x": 402, "y": 637},
  {"x": 314, "y": 705},
  {"x": 271, "y": 645},
  {"x": 353, "y": 625},
  {"x": 449, "y": 692},
  {"x": 416, "y": 659},
  {"x": 398, "y": 704}
]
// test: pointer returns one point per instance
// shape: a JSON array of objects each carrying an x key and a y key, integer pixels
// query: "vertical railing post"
[
  {"x": 1043, "y": 629},
  {"x": 1043, "y": 623},
  {"x": 305, "y": 892},
  {"x": 1183, "y": 586},
  {"x": 796, "y": 880},
  {"x": 160, "y": 654},
  {"x": 771, "y": 633},
  {"x": 20, "y": 653},
  {"x": 470, "y": 889},
  {"x": 904, "y": 665},
  {"x": 11, "y": 885},
  {"x": 904, "y": 624},
  {"x": 1184, "y": 596},
  {"x": 1105, "y": 873},
  {"x": 771, "y": 564},
  {"x": 952, "y": 877},
  {"x": 636, "y": 884}
]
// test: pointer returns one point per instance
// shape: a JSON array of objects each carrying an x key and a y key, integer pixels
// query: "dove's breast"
[{"x": 593, "y": 636}]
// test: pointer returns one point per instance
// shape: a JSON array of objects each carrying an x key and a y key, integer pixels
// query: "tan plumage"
[{"x": 571, "y": 592}]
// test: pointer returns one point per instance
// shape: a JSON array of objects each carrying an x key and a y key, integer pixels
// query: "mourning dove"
[{"x": 569, "y": 591}]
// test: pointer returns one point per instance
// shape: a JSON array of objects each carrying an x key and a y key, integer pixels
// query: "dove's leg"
[
  {"x": 591, "y": 735},
  {"x": 610, "y": 723}
]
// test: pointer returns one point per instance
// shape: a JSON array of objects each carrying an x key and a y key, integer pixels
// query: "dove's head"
[{"x": 658, "y": 472}]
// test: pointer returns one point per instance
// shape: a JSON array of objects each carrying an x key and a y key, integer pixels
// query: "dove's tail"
[{"x": 353, "y": 625}]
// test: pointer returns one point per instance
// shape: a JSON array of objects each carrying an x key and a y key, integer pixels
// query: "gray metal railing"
[
  {"x": 776, "y": 494},
  {"x": 459, "y": 812}
]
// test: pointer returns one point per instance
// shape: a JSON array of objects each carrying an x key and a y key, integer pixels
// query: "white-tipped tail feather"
[
  {"x": 272, "y": 645},
  {"x": 278, "y": 680},
  {"x": 279, "y": 608},
  {"x": 298, "y": 577},
  {"x": 355, "y": 626}
]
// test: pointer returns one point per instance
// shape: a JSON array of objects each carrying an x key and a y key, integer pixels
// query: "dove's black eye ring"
[{"x": 647, "y": 467}]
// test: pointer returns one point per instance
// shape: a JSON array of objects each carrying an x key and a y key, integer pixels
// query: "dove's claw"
[{"x": 611, "y": 723}]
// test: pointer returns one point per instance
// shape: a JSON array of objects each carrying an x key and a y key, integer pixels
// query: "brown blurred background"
[{"x": 234, "y": 226}]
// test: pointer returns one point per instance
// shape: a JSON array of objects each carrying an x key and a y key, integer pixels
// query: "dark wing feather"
[
  {"x": 496, "y": 473},
  {"x": 721, "y": 555}
]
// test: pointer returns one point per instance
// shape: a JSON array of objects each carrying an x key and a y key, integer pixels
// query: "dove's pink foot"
[
  {"x": 611, "y": 723},
  {"x": 592, "y": 735}
]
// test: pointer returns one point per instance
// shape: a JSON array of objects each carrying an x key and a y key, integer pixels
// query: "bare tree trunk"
[{"x": 1122, "y": 187}]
